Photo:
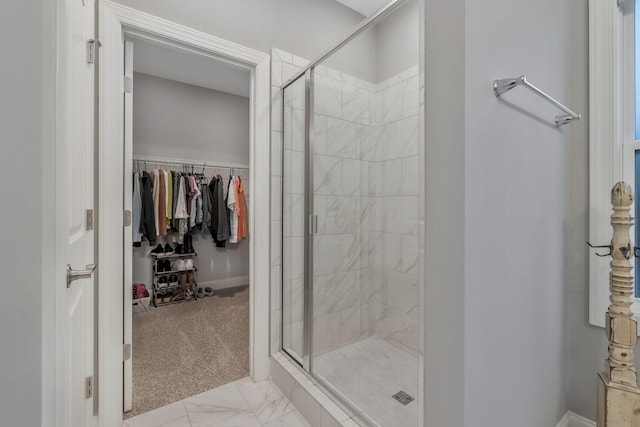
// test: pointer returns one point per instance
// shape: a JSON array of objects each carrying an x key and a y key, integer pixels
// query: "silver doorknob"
[{"x": 79, "y": 274}]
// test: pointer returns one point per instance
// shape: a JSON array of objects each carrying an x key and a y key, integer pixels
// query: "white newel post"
[{"x": 618, "y": 392}]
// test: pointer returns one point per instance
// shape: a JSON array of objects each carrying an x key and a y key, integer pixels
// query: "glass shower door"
[
  {"x": 364, "y": 157},
  {"x": 350, "y": 173},
  {"x": 294, "y": 331}
]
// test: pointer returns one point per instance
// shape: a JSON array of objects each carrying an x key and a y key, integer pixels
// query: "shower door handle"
[{"x": 313, "y": 224}]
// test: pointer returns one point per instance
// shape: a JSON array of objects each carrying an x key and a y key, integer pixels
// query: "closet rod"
[{"x": 198, "y": 163}]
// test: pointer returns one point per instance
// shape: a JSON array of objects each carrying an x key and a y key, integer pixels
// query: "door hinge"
[
  {"x": 91, "y": 50},
  {"x": 88, "y": 388},
  {"x": 128, "y": 84},
  {"x": 89, "y": 219},
  {"x": 127, "y": 218},
  {"x": 126, "y": 352}
]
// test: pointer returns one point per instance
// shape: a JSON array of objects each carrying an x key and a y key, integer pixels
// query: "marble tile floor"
[
  {"x": 242, "y": 403},
  {"x": 368, "y": 373}
]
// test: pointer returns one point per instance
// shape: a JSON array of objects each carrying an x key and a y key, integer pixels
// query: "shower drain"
[{"x": 403, "y": 397}]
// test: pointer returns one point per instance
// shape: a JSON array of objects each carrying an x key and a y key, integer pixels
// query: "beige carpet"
[{"x": 184, "y": 349}]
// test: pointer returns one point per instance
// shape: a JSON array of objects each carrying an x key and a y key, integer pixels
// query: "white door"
[
  {"x": 128, "y": 190},
  {"x": 75, "y": 87}
]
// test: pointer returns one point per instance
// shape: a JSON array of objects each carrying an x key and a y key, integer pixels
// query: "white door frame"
[{"x": 115, "y": 22}]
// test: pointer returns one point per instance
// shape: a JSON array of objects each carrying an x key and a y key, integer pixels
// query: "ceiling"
[
  {"x": 364, "y": 7},
  {"x": 190, "y": 68}
]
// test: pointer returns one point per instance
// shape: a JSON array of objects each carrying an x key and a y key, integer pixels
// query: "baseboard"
[
  {"x": 571, "y": 419},
  {"x": 227, "y": 282}
]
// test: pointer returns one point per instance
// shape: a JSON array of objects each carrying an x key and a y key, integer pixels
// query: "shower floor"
[{"x": 368, "y": 373}]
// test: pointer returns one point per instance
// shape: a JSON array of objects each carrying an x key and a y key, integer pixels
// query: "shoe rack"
[{"x": 174, "y": 277}]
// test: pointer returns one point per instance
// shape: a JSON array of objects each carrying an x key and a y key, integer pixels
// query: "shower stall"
[{"x": 351, "y": 168}]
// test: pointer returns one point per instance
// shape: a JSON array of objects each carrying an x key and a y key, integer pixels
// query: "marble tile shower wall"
[
  {"x": 366, "y": 198},
  {"x": 366, "y": 192},
  {"x": 344, "y": 134},
  {"x": 394, "y": 188}
]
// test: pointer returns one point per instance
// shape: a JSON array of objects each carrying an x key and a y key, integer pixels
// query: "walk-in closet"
[{"x": 187, "y": 127}]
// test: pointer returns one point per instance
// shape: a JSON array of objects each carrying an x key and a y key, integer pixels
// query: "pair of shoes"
[
  {"x": 187, "y": 247},
  {"x": 166, "y": 250},
  {"x": 188, "y": 294},
  {"x": 173, "y": 280},
  {"x": 184, "y": 264},
  {"x": 178, "y": 295},
  {"x": 187, "y": 277},
  {"x": 162, "y": 282},
  {"x": 202, "y": 292},
  {"x": 163, "y": 265}
]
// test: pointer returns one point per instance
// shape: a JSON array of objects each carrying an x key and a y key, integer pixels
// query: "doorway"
[
  {"x": 186, "y": 261},
  {"x": 117, "y": 24}
]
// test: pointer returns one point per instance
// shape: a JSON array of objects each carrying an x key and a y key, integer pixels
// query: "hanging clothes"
[
  {"x": 226, "y": 208},
  {"x": 199, "y": 213},
  {"x": 176, "y": 187},
  {"x": 169, "y": 182},
  {"x": 209, "y": 195},
  {"x": 148, "y": 221},
  {"x": 136, "y": 211},
  {"x": 194, "y": 201},
  {"x": 233, "y": 211},
  {"x": 181, "y": 217},
  {"x": 241, "y": 208},
  {"x": 204, "y": 197},
  {"x": 219, "y": 222},
  {"x": 162, "y": 204},
  {"x": 156, "y": 198},
  {"x": 181, "y": 208}
]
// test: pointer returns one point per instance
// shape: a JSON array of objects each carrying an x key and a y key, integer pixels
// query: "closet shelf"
[
  {"x": 174, "y": 293},
  {"x": 171, "y": 288},
  {"x": 162, "y": 256},
  {"x": 161, "y": 273},
  {"x": 157, "y": 304}
]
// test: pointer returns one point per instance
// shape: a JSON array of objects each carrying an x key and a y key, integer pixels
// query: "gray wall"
[
  {"x": 357, "y": 58},
  {"x": 513, "y": 166},
  {"x": 303, "y": 27},
  {"x": 444, "y": 213},
  {"x": 516, "y": 167},
  {"x": 397, "y": 38},
  {"x": 176, "y": 120},
  {"x": 22, "y": 35}
]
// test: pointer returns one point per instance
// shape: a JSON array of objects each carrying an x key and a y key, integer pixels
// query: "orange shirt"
[{"x": 242, "y": 210}]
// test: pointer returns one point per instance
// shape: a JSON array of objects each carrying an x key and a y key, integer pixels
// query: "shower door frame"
[{"x": 310, "y": 220}]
